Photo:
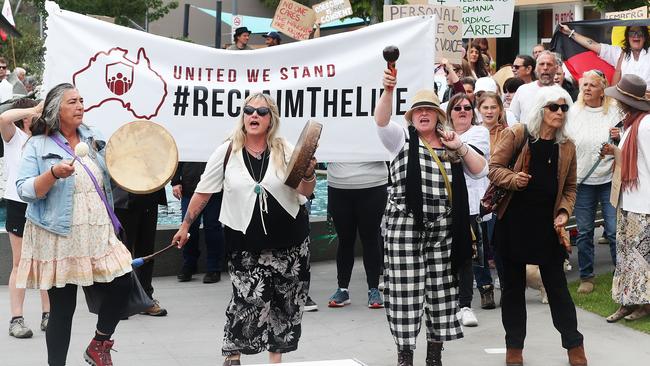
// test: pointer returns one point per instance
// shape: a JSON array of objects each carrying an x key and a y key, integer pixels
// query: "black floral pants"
[{"x": 269, "y": 291}]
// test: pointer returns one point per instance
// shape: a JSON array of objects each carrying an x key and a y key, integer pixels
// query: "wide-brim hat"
[
  {"x": 426, "y": 98},
  {"x": 630, "y": 90},
  {"x": 241, "y": 30}
]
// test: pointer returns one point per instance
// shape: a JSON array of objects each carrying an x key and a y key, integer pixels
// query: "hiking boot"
[
  {"x": 231, "y": 363},
  {"x": 18, "y": 329},
  {"x": 487, "y": 297},
  {"x": 374, "y": 299},
  {"x": 44, "y": 321},
  {"x": 339, "y": 299},
  {"x": 155, "y": 310},
  {"x": 434, "y": 353},
  {"x": 310, "y": 305},
  {"x": 577, "y": 356},
  {"x": 514, "y": 357},
  {"x": 586, "y": 286},
  {"x": 467, "y": 317},
  {"x": 212, "y": 277},
  {"x": 603, "y": 240},
  {"x": 185, "y": 275},
  {"x": 405, "y": 358},
  {"x": 98, "y": 353}
]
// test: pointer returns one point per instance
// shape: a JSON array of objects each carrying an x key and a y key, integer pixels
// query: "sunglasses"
[
  {"x": 467, "y": 108},
  {"x": 516, "y": 67},
  {"x": 554, "y": 107},
  {"x": 3, "y": 67},
  {"x": 635, "y": 34},
  {"x": 261, "y": 111}
]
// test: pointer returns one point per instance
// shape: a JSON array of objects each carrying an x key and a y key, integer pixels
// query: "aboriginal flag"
[{"x": 579, "y": 59}]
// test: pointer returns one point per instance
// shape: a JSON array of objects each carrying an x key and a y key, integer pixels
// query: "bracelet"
[
  {"x": 311, "y": 179},
  {"x": 52, "y": 171},
  {"x": 466, "y": 150},
  {"x": 571, "y": 34}
]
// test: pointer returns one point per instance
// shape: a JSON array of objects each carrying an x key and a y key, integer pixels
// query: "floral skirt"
[{"x": 631, "y": 284}]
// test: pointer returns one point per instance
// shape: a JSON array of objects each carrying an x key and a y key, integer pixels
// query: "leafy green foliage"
[
  {"x": 28, "y": 49},
  {"x": 618, "y": 5},
  {"x": 121, "y": 10}
]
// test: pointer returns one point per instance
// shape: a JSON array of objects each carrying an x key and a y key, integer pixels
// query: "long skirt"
[{"x": 631, "y": 284}]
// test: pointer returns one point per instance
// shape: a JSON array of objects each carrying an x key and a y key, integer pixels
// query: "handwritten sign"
[
  {"x": 331, "y": 10},
  {"x": 449, "y": 31},
  {"x": 638, "y": 13},
  {"x": 294, "y": 19},
  {"x": 484, "y": 18},
  {"x": 562, "y": 14}
]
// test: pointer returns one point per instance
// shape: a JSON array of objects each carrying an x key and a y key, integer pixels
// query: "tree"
[
  {"x": 28, "y": 49},
  {"x": 618, "y": 5},
  {"x": 139, "y": 11}
]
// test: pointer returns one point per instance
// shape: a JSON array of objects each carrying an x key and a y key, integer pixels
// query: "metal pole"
[
  {"x": 186, "y": 21},
  {"x": 234, "y": 7},
  {"x": 388, "y": 2},
  {"x": 217, "y": 33}
]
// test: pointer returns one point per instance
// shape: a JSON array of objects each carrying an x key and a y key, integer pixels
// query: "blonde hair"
[
  {"x": 501, "y": 120},
  {"x": 275, "y": 143},
  {"x": 600, "y": 77}
]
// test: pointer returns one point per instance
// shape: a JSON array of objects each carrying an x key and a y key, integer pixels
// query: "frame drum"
[
  {"x": 302, "y": 153},
  {"x": 141, "y": 157}
]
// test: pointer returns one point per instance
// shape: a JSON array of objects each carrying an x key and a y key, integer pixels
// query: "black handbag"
[{"x": 138, "y": 301}]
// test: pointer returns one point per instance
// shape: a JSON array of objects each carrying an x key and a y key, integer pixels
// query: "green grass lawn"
[{"x": 600, "y": 302}]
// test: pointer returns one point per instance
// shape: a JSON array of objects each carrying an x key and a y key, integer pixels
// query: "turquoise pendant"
[{"x": 258, "y": 189}]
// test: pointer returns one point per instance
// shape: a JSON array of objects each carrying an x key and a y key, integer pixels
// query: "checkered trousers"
[{"x": 417, "y": 265}]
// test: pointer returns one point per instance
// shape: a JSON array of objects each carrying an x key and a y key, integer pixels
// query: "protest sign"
[
  {"x": 294, "y": 19},
  {"x": 331, "y": 10},
  {"x": 484, "y": 18},
  {"x": 449, "y": 42},
  {"x": 562, "y": 13},
  {"x": 197, "y": 92},
  {"x": 637, "y": 13}
]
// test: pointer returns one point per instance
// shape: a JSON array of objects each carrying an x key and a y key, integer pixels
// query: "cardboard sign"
[
  {"x": 484, "y": 18},
  {"x": 294, "y": 19},
  {"x": 331, "y": 10},
  {"x": 449, "y": 43},
  {"x": 562, "y": 14},
  {"x": 638, "y": 13}
]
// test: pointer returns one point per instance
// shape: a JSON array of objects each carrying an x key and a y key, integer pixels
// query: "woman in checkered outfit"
[{"x": 427, "y": 234}]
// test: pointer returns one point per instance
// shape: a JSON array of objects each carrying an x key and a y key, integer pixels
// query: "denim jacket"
[{"x": 53, "y": 212}]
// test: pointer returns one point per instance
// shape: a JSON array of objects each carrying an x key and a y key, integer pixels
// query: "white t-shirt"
[
  {"x": 6, "y": 90},
  {"x": 641, "y": 68},
  {"x": 523, "y": 100},
  {"x": 13, "y": 157},
  {"x": 357, "y": 175},
  {"x": 637, "y": 200},
  {"x": 589, "y": 129},
  {"x": 479, "y": 137}
]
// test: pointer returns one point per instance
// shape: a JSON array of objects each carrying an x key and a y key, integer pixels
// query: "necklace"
[
  {"x": 257, "y": 154},
  {"x": 258, "y": 187}
]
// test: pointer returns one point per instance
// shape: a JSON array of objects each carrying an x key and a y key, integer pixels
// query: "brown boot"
[
  {"x": 434, "y": 353},
  {"x": 487, "y": 297},
  {"x": 577, "y": 356},
  {"x": 514, "y": 357},
  {"x": 586, "y": 286},
  {"x": 405, "y": 357}
]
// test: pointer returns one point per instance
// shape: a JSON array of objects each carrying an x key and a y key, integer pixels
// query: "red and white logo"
[{"x": 112, "y": 76}]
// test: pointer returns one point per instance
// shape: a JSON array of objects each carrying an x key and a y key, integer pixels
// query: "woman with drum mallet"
[
  {"x": 428, "y": 234},
  {"x": 266, "y": 232},
  {"x": 69, "y": 238}
]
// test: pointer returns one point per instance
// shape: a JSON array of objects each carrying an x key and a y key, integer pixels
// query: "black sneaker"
[
  {"x": 185, "y": 275},
  {"x": 310, "y": 305},
  {"x": 212, "y": 277}
]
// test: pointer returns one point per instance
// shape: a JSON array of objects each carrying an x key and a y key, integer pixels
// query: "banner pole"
[
  {"x": 217, "y": 31},
  {"x": 13, "y": 51}
]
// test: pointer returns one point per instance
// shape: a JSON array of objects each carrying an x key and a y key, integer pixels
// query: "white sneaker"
[
  {"x": 467, "y": 317},
  {"x": 381, "y": 286},
  {"x": 497, "y": 283}
]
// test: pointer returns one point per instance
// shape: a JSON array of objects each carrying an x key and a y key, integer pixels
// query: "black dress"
[{"x": 526, "y": 233}]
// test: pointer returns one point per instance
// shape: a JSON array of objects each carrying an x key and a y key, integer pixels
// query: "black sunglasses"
[
  {"x": 3, "y": 67},
  {"x": 635, "y": 34},
  {"x": 467, "y": 108},
  {"x": 553, "y": 107},
  {"x": 516, "y": 67},
  {"x": 261, "y": 111}
]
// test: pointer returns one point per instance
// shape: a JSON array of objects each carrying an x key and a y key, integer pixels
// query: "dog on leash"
[{"x": 534, "y": 279}]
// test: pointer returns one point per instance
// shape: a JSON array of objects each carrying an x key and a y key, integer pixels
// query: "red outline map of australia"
[{"x": 111, "y": 76}]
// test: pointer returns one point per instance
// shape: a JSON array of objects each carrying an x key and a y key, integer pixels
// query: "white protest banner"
[
  {"x": 484, "y": 18},
  {"x": 449, "y": 39},
  {"x": 196, "y": 92},
  {"x": 331, "y": 10},
  {"x": 294, "y": 19},
  {"x": 562, "y": 13},
  {"x": 638, "y": 13}
]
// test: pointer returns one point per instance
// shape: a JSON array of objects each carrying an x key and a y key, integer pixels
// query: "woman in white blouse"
[
  {"x": 591, "y": 123},
  {"x": 632, "y": 58},
  {"x": 266, "y": 232}
]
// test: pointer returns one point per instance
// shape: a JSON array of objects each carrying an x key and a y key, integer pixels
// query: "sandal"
[
  {"x": 640, "y": 312},
  {"x": 621, "y": 313}
]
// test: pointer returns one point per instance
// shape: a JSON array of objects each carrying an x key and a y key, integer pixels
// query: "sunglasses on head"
[
  {"x": 466, "y": 107},
  {"x": 553, "y": 107},
  {"x": 261, "y": 111},
  {"x": 635, "y": 33}
]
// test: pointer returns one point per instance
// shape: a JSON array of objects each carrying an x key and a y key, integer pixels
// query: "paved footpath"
[{"x": 191, "y": 334}]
